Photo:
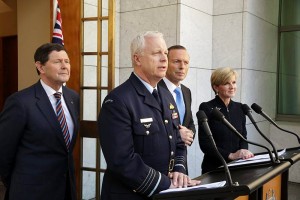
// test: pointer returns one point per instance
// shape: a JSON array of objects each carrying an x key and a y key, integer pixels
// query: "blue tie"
[{"x": 180, "y": 103}]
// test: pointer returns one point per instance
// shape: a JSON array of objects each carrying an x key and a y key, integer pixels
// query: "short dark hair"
[
  {"x": 42, "y": 53},
  {"x": 176, "y": 47}
]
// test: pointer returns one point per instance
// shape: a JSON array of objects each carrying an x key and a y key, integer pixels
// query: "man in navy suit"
[
  {"x": 36, "y": 159},
  {"x": 178, "y": 66},
  {"x": 138, "y": 129}
]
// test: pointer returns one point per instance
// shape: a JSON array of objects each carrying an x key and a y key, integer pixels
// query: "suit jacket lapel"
[
  {"x": 187, "y": 102},
  {"x": 44, "y": 105}
]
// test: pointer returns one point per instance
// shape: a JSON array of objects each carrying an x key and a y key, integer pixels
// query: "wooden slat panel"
[{"x": 88, "y": 129}]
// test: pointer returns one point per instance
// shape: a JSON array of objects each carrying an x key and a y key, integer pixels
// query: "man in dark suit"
[
  {"x": 36, "y": 159},
  {"x": 138, "y": 129},
  {"x": 178, "y": 66}
]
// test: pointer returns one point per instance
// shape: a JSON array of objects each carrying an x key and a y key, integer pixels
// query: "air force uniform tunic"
[{"x": 140, "y": 141}]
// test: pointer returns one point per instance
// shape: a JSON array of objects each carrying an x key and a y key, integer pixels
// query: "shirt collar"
[
  {"x": 49, "y": 91},
  {"x": 147, "y": 85},
  {"x": 171, "y": 86}
]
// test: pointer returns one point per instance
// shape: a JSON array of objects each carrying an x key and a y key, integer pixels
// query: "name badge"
[{"x": 146, "y": 120}]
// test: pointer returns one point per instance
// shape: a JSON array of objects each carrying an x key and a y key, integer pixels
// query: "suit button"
[
  {"x": 147, "y": 132},
  {"x": 166, "y": 121},
  {"x": 172, "y": 153},
  {"x": 170, "y": 136}
]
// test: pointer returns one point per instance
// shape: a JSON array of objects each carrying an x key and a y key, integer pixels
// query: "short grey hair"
[{"x": 138, "y": 43}]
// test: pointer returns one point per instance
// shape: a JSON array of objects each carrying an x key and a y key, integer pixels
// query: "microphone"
[
  {"x": 219, "y": 116},
  {"x": 247, "y": 111},
  {"x": 259, "y": 110},
  {"x": 202, "y": 119}
]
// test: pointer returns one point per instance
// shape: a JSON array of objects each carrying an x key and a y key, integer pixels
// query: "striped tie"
[{"x": 62, "y": 119}]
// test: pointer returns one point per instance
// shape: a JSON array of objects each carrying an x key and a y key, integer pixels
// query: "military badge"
[
  {"x": 147, "y": 125},
  {"x": 174, "y": 115},
  {"x": 171, "y": 106}
]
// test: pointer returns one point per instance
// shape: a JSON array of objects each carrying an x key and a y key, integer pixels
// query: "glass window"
[
  {"x": 90, "y": 8},
  {"x": 289, "y": 74},
  {"x": 288, "y": 104},
  {"x": 97, "y": 79},
  {"x": 89, "y": 153},
  {"x": 90, "y": 71},
  {"x": 290, "y": 14},
  {"x": 90, "y": 36},
  {"x": 88, "y": 185}
]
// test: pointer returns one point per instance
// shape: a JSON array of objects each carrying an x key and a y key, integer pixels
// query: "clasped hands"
[
  {"x": 187, "y": 135},
  {"x": 180, "y": 180}
]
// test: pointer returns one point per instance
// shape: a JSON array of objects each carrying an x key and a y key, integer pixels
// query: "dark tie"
[
  {"x": 180, "y": 103},
  {"x": 62, "y": 119},
  {"x": 156, "y": 96}
]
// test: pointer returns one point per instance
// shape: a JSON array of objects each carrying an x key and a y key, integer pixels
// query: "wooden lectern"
[{"x": 264, "y": 181}]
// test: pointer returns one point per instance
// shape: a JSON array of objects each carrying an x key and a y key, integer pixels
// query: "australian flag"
[{"x": 57, "y": 36}]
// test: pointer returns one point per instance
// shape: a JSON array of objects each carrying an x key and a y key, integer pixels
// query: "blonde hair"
[
  {"x": 221, "y": 75},
  {"x": 138, "y": 43}
]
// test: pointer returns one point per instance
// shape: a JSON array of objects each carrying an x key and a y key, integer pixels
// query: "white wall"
[{"x": 196, "y": 28}]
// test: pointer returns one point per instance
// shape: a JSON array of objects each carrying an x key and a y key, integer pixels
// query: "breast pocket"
[{"x": 145, "y": 137}]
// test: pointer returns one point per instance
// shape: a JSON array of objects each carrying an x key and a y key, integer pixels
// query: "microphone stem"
[
  {"x": 227, "y": 173},
  {"x": 281, "y": 128},
  {"x": 274, "y": 149}
]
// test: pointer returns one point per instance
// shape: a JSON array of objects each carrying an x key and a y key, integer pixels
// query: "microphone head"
[
  {"x": 256, "y": 108},
  {"x": 246, "y": 109},
  {"x": 201, "y": 116},
  {"x": 217, "y": 114}
]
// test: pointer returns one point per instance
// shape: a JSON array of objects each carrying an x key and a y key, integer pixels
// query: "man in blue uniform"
[{"x": 138, "y": 129}]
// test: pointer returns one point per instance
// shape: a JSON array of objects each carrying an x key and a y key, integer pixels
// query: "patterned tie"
[
  {"x": 62, "y": 119},
  {"x": 156, "y": 96},
  {"x": 180, "y": 103}
]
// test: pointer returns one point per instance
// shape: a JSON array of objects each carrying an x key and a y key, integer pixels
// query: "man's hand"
[
  {"x": 179, "y": 180},
  {"x": 242, "y": 153},
  {"x": 186, "y": 134}
]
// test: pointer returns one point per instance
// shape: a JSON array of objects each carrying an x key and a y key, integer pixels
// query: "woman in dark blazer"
[{"x": 231, "y": 147}]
